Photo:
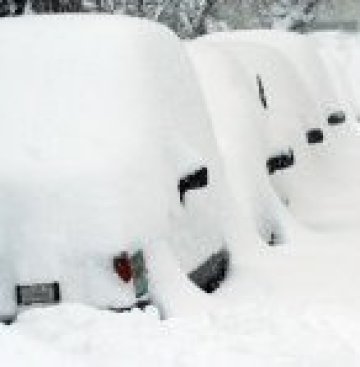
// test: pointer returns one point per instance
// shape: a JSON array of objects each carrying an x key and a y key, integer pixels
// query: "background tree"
[{"x": 191, "y": 18}]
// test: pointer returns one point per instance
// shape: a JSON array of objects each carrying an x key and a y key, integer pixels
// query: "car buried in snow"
[
  {"x": 267, "y": 92},
  {"x": 257, "y": 97},
  {"x": 106, "y": 147}
]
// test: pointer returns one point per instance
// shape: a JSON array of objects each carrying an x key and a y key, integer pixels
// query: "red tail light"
[{"x": 122, "y": 267}]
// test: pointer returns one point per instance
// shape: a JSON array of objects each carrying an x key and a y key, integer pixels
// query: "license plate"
[{"x": 41, "y": 293}]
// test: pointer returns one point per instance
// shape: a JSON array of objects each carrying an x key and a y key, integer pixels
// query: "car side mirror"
[
  {"x": 195, "y": 180},
  {"x": 315, "y": 136},
  {"x": 280, "y": 161},
  {"x": 337, "y": 118}
]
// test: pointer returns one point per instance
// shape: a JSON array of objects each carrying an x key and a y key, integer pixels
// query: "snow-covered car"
[
  {"x": 241, "y": 127},
  {"x": 339, "y": 53},
  {"x": 106, "y": 151},
  {"x": 301, "y": 107},
  {"x": 264, "y": 97},
  {"x": 316, "y": 64},
  {"x": 296, "y": 120}
]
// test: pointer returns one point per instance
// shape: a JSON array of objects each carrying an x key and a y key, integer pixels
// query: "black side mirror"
[
  {"x": 337, "y": 118},
  {"x": 195, "y": 180},
  {"x": 315, "y": 136},
  {"x": 280, "y": 161}
]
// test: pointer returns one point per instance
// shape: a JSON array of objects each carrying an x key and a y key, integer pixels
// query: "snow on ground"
[
  {"x": 252, "y": 335},
  {"x": 291, "y": 305}
]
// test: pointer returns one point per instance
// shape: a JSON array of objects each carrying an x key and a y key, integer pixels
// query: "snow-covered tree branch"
[{"x": 191, "y": 18}]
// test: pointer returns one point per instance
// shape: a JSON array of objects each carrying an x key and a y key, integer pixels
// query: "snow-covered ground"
[{"x": 295, "y": 304}]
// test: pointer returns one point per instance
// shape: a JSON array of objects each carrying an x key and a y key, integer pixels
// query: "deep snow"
[{"x": 295, "y": 304}]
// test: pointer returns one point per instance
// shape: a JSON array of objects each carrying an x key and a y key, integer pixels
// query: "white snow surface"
[{"x": 296, "y": 304}]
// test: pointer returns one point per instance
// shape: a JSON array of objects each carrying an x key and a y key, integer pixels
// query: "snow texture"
[{"x": 294, "y": 304}]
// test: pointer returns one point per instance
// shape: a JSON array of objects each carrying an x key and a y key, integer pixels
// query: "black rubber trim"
[
  {"x": 141, "y": 305},
  {"x": 7, "y": 320},
  {"x": 262, "y": 95},
  {"x": 19, "y": 299},
  {"x": 57, "y": 293}
]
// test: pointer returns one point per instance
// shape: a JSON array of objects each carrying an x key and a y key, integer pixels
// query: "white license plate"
[{"x": 41, "y": 293}]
